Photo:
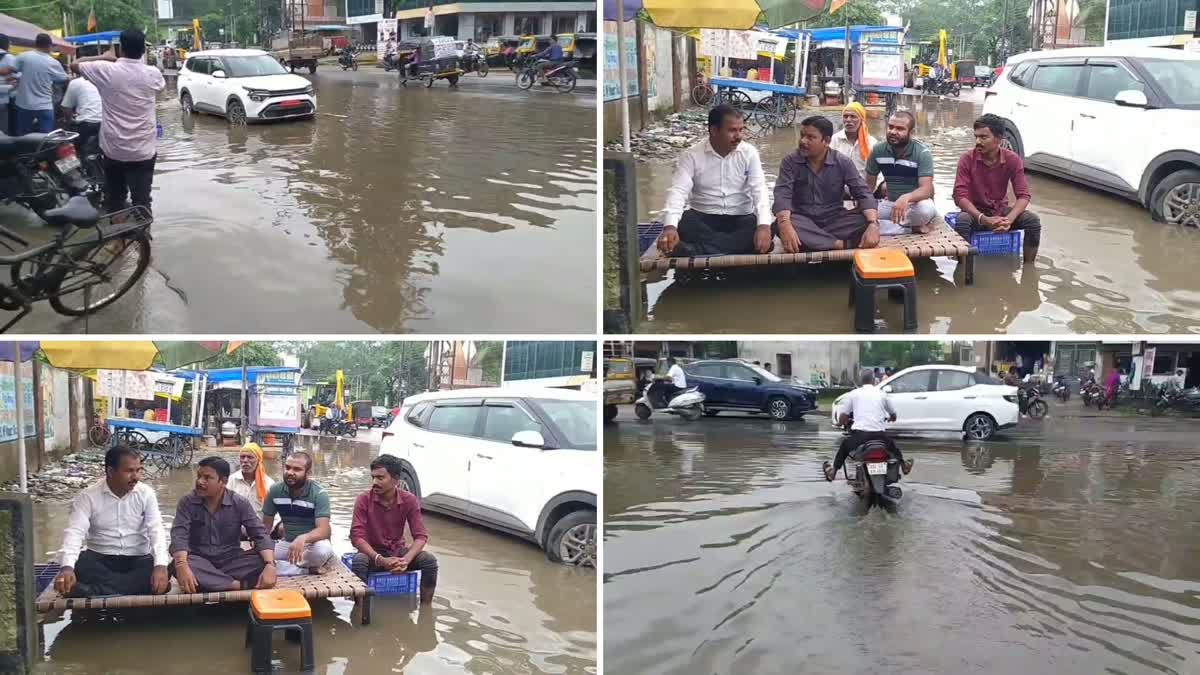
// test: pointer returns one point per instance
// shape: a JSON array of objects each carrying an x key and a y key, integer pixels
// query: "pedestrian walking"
[{"x": 128, "y": 88}]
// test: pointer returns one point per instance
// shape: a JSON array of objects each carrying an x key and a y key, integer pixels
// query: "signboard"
[
  {"x": 588, "y": 362},
  {"x": 443, "y": 48},
  {"x": 8, "y": 402},
  {"x": 882, "y": 68},
  {"x": 1135, "y": 381},
  {"x": 278, "y": 398},
  {"x": 388, "y": 27},
  {"x": 1148, "y": 362},
  {"x": 137, "y": 385},
  {"x": 1189, "y": 21},
  {"x": 612, "y": 81}
]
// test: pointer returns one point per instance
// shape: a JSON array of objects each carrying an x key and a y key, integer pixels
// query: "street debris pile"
[
  {"x": 666, "y": 139},
  {"x": 62, "y": 480}
]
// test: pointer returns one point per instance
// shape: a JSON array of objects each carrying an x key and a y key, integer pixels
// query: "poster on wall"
[
  {"x": 612, "y": 82},
  {"x": 388, "y": 27},
  {"x": 8, "y": 402},
  {"x": 136, "y": 385},
  {"x": 278, "y": 397}
]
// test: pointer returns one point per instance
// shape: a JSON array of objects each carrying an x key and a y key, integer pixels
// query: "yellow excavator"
[
  {"x": 193, "y": 36},
  {"x": 320, "y": 410}
]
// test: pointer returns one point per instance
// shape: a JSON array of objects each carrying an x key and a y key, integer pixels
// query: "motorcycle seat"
[
  {"x": 20, "y": 145},
  {"x": 78, "y": 211}
]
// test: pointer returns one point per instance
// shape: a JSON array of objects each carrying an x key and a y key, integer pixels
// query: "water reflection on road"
[
  {"x": 500, "y": 607},
  {"x": 1073, "y": 548},
  {"x": 1104, "y": 265}
]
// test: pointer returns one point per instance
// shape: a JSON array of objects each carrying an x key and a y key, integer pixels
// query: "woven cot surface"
[
  {"x": 942, "y": 241},
  {"x": 339, "y": 583}
]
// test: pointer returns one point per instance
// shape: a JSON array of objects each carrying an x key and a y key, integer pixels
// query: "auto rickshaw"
[
  {"x": 964, "y": 72},
  {"x": 620, "y": 385},
  {"x": 581, "y": 47},
  {"x": 529, "y": 45},
  {"x": 361, "y": 413},
  {"x": 435, "y": 58},
  {"x": 499, "y": 50}
]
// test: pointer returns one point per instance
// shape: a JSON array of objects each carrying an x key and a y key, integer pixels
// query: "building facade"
[
  {"x": 819, "y": 364},
  {"x": 478, "y": 20},
  {"x": 1152, "y": 23},
  {"x": 549, "y": 363}
]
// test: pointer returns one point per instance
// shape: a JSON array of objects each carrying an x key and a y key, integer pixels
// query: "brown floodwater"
[
  {"x": 398, "y": 209},
  {"x": 500, "y": 606},
  {"x": 1103, "y": 267},
  {"x": 1071, "y": 546}
]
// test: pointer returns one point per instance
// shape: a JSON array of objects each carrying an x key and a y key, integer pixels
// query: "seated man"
[
  {"x": 118, "y": 518},
  {"x": 808, "y": 196},
  {"x": 304, "y": 507},
  {"x": 252, "y": 482},
  {"x": 854, "y": 141},
  {"x": 720, "y": 183},
  {"x": 206, "y": 537},
  {"x": 981, "y": 189},
  {"x": 870, "y": 411},
  {"x": 907, "y": 165},
  {"x": 677, "y": 377},
  {"x": 549, "y": 57},
  {"x": 377, "y": 531}
]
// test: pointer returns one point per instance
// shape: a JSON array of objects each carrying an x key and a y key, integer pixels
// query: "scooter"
[
  {"x": 876, "y": 474},
  {"x": 1061, "y": 389},
  {"x": 688, "y": 404},
  {"x": 1029, "y": 401}
]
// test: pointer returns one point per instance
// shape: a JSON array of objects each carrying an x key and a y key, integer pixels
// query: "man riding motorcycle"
[
  {"x": 549, "y": 58},
  {"x": 678, "y": 380},
  {"x": 868, "y": 411}
]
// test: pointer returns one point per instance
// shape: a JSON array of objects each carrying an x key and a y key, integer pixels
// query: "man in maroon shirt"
[
  {"x": 981, "y": 189},
  {"x": 377, "y": 531}
]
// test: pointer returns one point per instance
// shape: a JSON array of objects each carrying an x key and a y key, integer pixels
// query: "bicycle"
[
  {"x": 702, "y": 92},
  {"x": 98, "y": 433},
  {"x": 78, "y": 272}
]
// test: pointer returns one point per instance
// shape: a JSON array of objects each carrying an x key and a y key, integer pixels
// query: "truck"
[{"x": 294, "y": 50}]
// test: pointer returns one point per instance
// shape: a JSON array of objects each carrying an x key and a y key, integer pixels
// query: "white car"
[
  {"x": 243, "y": 85},
  {"x": 1066, "y": 111},
  {"x": 519, "y": 460},
  {"x": 947, "y": 398}
]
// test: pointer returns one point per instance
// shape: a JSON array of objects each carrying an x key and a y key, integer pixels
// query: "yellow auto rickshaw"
[{"x": 527, "y": 47}]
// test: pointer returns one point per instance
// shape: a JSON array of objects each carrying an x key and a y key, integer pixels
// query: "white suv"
[
  {"x": 947, "y": 398},
  {"x": 518, "y": 460},
  {"x": 243, "y": 85},
  {"x": 1122, "y": 119}
]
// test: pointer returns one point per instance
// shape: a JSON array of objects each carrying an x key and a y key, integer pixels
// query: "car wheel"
[
  {"x": 572, "y": 540},
  {"x": 610, "y": 412},
  {"x": 643, "y": 411},
  {"x": 1176, "y": 199},
  {"x": 235, "y": 112},
  {"x": 1012, "y": 141},
  {"x": 185, "y": 102},
  {"x": 408, "y": 482},
  {"x": 779, "y": 408},
  {"x": 979, "y": 427}
]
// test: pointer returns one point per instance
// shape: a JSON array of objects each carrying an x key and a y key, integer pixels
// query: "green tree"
[
  {"x": 856, "y": 12},
  {"x": 899, "y": 355},
  {"x": 249, "y": 354},
  {"x": 489, "y": 358}
]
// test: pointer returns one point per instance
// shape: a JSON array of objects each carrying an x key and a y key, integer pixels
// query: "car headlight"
[
  {"x": 309, "y": 90},
  {"x": 257, "y": 94}
]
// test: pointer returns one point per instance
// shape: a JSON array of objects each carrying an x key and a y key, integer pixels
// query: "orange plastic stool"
[
  {"x": 278, "y": 609},
  {"x": 881, "y": 268}
]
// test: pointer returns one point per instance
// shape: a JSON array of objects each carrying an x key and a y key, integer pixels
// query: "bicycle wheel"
[
  {"x": 101, "y": 276},
  {"x": 99, "y": 436},
  {"x": 702, "y": 95}
]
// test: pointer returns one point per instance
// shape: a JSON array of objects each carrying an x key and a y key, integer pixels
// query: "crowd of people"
[
  {"x": 109, "y": 96},
  {"x": 839, "y": 190},
  {"x": 234, "y": 531}
]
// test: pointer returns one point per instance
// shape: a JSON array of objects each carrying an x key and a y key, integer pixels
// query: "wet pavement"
[
  {"x": 398, "y": 209},
  {"x": 1104, "y": 266},
  {"x": 500, "y": 606},
  {"x": 1066, "y": 546}
]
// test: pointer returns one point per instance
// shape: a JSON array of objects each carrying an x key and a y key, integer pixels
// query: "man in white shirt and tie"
[
  {"x": 718, "y": 201},
  {"x": 118, "y": 518},
  {"x": 870, "y": 410}
]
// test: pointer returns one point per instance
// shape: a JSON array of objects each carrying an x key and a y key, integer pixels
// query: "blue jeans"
[{"x": 29, "y": 121}]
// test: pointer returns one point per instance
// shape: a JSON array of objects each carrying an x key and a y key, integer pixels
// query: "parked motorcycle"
[
  {"x": 876, "y": 474},
  {"x": 338, "y": 427},
  {"x": 941, "y": 87},
  {"x": 1172, "y": 398},
  {"x": 1030, "y": 402},
  {"x": 688, "y": 404},
  {"x": 1091, "y": 392},
  {"x": 41, "y": 171},
  {"x": 1062, "y": 389}
]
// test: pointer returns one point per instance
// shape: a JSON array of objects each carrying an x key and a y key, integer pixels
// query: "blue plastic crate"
[
  {"x": 44, "y": 573},
  {"x": 385, "y": 583},
  {"x": 647, "y": 235},
  {"x": 991, "y": 243}
]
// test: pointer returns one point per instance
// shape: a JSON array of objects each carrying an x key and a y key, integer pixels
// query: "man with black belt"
[
  {"x": 118, "y": 519},
  {"x": 718, "y": 201}
]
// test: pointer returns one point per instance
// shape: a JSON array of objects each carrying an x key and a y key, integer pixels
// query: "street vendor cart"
[
  {"x": 876, "y": 62},
  {"x": 173, "y": 445},
  {"x": 752, "y": 74}
]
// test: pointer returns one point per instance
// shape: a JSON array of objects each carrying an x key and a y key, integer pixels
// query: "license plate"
[
  {"x": 67, "y": 164},
  {"x": 876, "y": 468},
  {"x": 291, "y": 104}
]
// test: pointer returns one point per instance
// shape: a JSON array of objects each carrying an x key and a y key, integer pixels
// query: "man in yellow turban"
[
  {"x": 252, "y": 482},
  {"x": 853, "y": 139}
]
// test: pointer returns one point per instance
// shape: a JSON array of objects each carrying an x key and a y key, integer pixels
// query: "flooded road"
[
  {"x": 1071, "y": 546},
  {"x": 1104, "y": 266},
  {"x": 500, "y": 606},
  {"x": 398, "y": 209}
]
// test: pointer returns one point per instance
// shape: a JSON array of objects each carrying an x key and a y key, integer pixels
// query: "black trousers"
[
  {"x": 708, "y": 234},
  {"x": 1028, "y": 221},
  {"x": 99, "y": 574},
  {"x": 127, "y": 178},
  {"x": 87, "y": 131},
  {"x": 425, "y": 562},
  {"x": 857, "y": 438}
]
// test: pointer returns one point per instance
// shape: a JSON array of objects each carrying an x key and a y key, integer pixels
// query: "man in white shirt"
[
  {"x": 854, "y": 141},
  {"x": 869, "y": 409},
  {"x": 252, "y": 482},
  {"x": 677, "y": 380},
  {"x": 718, "y": 201},
  {"x": 118, "y": 519},
  {"x": 83, "y": 108}
]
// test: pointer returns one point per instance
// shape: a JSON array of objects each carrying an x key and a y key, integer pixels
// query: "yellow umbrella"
[
  {"x": 131, "y": 355},
  {"x": 736, "y": 14}
]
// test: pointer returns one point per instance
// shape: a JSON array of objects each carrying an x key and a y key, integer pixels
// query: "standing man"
[
  {"x": 718, "y": 201},
  {"x": 854, "y": 141},
  {"x": 118, "y": 518},
  {"x": 377, "y": 531},
  {"x": 129, "y": 89},
  {"x": 981, "y": 189},
  {"x": 304, "y": 507},
  {"x": 206, "y": 537},
  {"x": 252, "y": 482},
  {"x": 9, "y": 62},
  {"x": 907, "y": 166},
  {"x": 808, "y": 196},
  {"x": 35, "y": 91}
]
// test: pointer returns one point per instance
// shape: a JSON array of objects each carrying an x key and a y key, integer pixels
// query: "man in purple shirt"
[
  {"x": 206, "y": 537},
  {"x": 981, "y": 189},
  {"x": 377, "y": 531},
  {"x": 128, "y": 137}
]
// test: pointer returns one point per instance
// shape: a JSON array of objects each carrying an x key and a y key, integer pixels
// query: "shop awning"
[{"x": 22, "y": 34}]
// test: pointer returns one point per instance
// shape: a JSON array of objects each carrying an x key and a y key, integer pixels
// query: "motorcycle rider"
[
  {"x": 472, "y": 53},
  {"x": 870, "y": 411},
  {"x": 389, "y": 51},
  {"x": 548, "y": 58},
  {"x": 347, "y": 55},
  {"x": 678, "y": 381},
  {"x": 83, "y": 109}
]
